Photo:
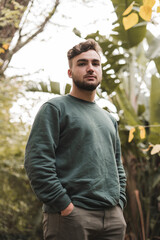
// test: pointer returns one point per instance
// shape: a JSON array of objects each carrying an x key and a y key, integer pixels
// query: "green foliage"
[
  {"x": 153, "y": 52},
  {"x": 55, "y": 86},
  {"x": 67, "y": 88},
  {"x": 50, "y": 87},
  {"x": 155, "y": 110},
  {"x": 142, "y": 168},
  {"x": 141, "y": 110},
  {"x": 20, "y": 209},
  {"x": 131, "y": 37},
  {"x": 10, "y": 15},
  {"x": 143, "y": 174}
]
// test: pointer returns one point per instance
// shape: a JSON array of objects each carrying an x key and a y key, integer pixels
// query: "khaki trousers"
[{"x": 82, "y": 224}]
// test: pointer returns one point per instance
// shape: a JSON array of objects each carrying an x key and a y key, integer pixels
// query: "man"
[{"x": 73, "y": 158}]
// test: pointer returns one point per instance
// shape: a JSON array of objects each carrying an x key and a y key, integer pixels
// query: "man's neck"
[{"x": 83, "y": 94}]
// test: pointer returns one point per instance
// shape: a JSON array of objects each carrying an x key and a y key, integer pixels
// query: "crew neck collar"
[{"x": 80, "y": 100}]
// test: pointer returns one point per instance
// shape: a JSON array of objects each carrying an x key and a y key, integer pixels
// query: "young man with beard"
[{"x": 73, "y": 158}]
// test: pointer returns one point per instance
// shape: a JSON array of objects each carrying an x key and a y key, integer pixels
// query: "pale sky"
[{"x": 48, "y": 51}]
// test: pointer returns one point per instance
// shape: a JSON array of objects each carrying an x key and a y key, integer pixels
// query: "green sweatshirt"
[{"x": 73, "y": 155}]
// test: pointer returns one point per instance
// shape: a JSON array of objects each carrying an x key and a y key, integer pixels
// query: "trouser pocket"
[{"x": 50, "y": 226}]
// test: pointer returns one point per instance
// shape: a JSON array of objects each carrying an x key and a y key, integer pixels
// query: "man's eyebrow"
[
  {"x": 82, "y": 60},
  {"x": 86, "y": 60}
]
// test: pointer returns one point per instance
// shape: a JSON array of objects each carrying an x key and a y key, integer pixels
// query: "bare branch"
[
  {"x": 25, "y": 19},
  {"x": 21, "y": 44},
  {"x": 23, "y": 75}
]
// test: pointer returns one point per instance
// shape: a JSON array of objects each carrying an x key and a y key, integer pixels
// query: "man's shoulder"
[{"x": 58, "y": 101}]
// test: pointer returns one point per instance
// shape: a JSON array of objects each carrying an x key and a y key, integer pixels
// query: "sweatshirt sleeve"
[
  {"x": 121, "y": 172},
  {"x": 40, "y": 159}
]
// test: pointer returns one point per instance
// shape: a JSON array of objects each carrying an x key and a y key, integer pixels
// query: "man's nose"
[{"x": 90, "y": 68}]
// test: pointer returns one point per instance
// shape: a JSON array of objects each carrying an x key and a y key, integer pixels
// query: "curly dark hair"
[{"x": 89, "y": 44}]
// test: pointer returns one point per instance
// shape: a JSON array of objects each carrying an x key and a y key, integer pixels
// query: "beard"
[{"x": 89, "y": 86}]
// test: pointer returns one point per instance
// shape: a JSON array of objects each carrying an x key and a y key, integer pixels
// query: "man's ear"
[{"x": 70, "y": 73}]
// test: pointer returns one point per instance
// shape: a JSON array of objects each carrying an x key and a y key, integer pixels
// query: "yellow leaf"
[
  {"x": 155, "y": 149},
  {"x": 142, "y": 132},
  {"x": 131, "y": 136},
  {"x": 1, "y": 62},
  {"x": 158, "y": 9},
  {"x": 130, "y": 21},
  {"x": 5, "y": 46},
  {"x": 145, "y": 12},
  {"x": 149, "y": 3},
  {"x": 2, "y": 50},
  {"x": 128, "y": 10},
  {"x": 147, "y": 149}
]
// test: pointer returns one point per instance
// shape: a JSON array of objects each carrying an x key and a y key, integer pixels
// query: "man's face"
[{"x": 86, "y": 71}]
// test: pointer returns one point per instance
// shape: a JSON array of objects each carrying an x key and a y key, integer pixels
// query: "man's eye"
[
  {"x": 81, "y": 64},
  {"x": 96, "y": 64}
]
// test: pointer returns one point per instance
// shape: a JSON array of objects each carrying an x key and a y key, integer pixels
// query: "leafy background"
[{"x": 128, "y": 83}]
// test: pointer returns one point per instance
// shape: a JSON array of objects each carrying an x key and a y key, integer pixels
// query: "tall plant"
[{"x": 21, "y": 219}]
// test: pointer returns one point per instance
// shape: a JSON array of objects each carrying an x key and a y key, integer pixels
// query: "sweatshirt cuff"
[
  {"x": 121, "y": 204},
  {"x": 62, "y": 202}
]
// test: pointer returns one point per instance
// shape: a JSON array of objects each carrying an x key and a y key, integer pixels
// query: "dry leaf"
[
  {"x": 131, "y": 136},
  {"x": 1, "y": 62},
  {"x": 142, "y": 132},
  {"x": 5, "y": 46},
  {"x": 155, "y": 149},
  {"x": 2, "y": 50},
  {"x": 130, "y": 21},
  {"x": 150, "y": 3},
  {"x": 128, "y": 10},
  {"x": 145, "y": 12},
  {"x": 158, "y": 9},
  {"x": 147, "y": 149}
]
